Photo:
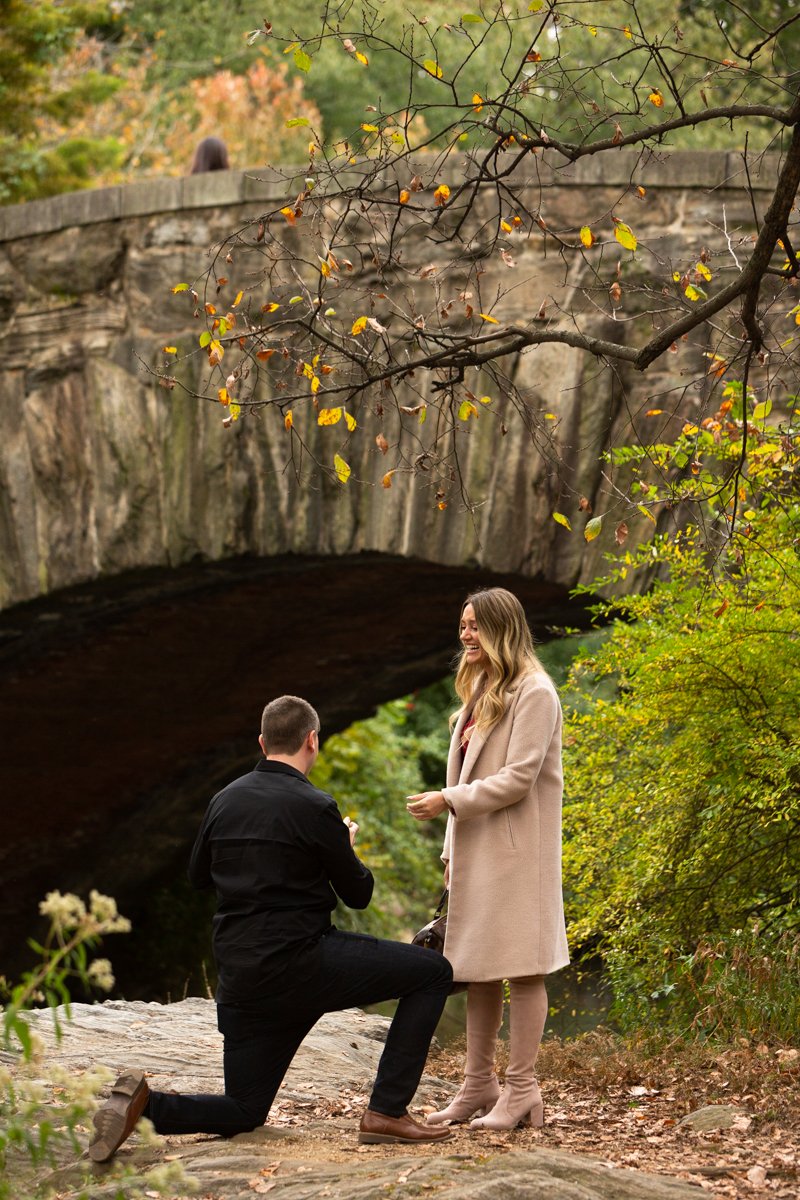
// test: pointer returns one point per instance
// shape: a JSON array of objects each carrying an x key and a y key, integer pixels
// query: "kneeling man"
[{"x": 279, "y": 853}]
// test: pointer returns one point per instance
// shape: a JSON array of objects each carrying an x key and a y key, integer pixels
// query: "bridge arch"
[{"x": 161, "y": 577}]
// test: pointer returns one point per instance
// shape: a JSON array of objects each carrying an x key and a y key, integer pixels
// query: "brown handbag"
[{"x": 431, "y": 936}]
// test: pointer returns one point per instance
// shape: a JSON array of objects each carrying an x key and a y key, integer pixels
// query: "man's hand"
[
  {"x": 426, "y": 805},
  {"x": 447, "y": 874},
  {"x": 352, "y": 829}
]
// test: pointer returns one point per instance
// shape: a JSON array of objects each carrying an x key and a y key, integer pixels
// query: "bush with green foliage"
[{"x": 682, "y": 853}]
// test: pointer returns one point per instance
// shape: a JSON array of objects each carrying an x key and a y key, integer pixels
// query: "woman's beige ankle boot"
[
  {"x": 521, "y": 1101},
  {"x": 480, "y": 1090}
]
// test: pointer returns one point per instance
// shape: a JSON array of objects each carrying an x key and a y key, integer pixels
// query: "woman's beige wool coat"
[{"x": 505, "y": 912}]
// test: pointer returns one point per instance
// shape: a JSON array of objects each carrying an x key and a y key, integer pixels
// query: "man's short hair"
[{"x": 285, "y": 724}]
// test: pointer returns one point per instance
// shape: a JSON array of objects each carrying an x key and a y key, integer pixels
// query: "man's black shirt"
[{"x": 278, "y": 853}]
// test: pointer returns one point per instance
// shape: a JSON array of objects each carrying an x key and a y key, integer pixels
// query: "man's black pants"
[{"x": 352, "y": 970}]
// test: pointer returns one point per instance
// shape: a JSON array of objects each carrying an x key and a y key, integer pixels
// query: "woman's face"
[{"x": 470, "y": 637}]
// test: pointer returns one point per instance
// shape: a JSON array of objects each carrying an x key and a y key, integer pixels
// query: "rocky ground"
[{"x": 618, "y": 1125}]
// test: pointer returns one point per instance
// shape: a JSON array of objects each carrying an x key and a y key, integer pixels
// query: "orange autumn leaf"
[{"x": 442, "y": 194}]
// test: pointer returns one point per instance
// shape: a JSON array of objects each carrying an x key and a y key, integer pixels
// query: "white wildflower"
[
  {"x": 168, "y": 1177},
  {"x": 65, "y": 912},
  {"x": 100, "y": 974},
  {"x": 104, "y": 910}
]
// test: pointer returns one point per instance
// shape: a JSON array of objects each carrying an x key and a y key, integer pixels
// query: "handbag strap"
[{"x": 441, "y": 905}]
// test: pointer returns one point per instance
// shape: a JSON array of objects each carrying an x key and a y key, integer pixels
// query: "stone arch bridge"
[{"x": 161, "y": 576}]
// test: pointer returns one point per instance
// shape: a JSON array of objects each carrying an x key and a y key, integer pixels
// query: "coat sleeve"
[{"x": 535, "y": 721}]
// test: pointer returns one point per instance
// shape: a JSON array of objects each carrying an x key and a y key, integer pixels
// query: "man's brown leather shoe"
[
  {"x": 117, "y": 1118},
  {"x": 375, "y": 1127}
]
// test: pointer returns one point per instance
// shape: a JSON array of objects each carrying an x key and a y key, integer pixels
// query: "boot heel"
[{"x": 534, "y": 1118}]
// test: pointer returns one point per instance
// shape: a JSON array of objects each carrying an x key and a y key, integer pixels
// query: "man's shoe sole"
[
  {"x": 117, "y": 1118},
  {"x": 372, "y": 1139}
]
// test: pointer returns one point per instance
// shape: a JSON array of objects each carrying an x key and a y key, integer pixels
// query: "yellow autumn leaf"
[
  {"x": 288, "y": 420},
  {"x": 238, "y": 299},
  {"x": 654, "y": 412},
  {"x": 504, "y": 225},
  {"x": 432, "y": 68},
  {"x": 314, "y": 385},
  {"x": 656, "y": 98},
  {"x": 370, "y": 128},
  {"x": 466, "y": 409},
  {"x": 342, "y": 469},
  {"x": 324, "y": 270},
  {"x": 587, "y": 237},
  {"x": 486, "y": 317},
  {"x": 234, "y": 410},
  {"x": 180, "y": 287},
  {"x": 646, "y": 513},
  {"x": 329, "y": 416},
  {"x": 387, "y": 479},
  {"x": 442, "y": 194},
  {"x": 405, "y": 196},
  {"x": 271, "y": 307},
  {"x": 222, "y": 396},
  {"x": 359, "y": 325},
  {"x": 350, "y": 421},
  {"x": 362, "y": 58},
  {"x": 625, "y": 235},
  {"x": 562, "y": 520},
  {"x": 486, "y": 399},
  {"x": 170, "y": 349},
  {"x": 695, "y": 293},
  {"x": 627, "y": 31},
  {"x": 592, "y": 528},
  {"x": 703, "y": 270},
  {"x": 477, "y": 102}
]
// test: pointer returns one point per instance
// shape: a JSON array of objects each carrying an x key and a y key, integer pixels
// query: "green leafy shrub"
[{"x": 682, "y": 854}]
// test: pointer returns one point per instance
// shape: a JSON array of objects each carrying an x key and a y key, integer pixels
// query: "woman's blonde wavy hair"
[{"x": 507, "y": 643}]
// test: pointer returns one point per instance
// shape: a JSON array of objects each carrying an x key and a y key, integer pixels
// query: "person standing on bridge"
[
  {"x": 211, "y": 155},
  {"x": 279, "y": 853},
  {"x": 502, "y": 855}
]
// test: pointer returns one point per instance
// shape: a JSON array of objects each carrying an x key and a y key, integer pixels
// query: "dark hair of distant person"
[{"x": 210, "y": 155}]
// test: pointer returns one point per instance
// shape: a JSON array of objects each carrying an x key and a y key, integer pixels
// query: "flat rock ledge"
[{"x": 310, "y": 1147}]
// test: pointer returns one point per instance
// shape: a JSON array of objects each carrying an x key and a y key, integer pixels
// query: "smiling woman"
[{"x": 502, "y": 854}]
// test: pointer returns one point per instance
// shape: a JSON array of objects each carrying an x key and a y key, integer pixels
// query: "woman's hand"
[
  {"x": 426, "y": 805},
  {"x": 352, "y": 829}
]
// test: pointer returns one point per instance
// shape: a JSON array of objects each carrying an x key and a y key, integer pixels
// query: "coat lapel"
[
  {"x": 474, "y": 747},
  {"x": 454, "y": 754}
]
